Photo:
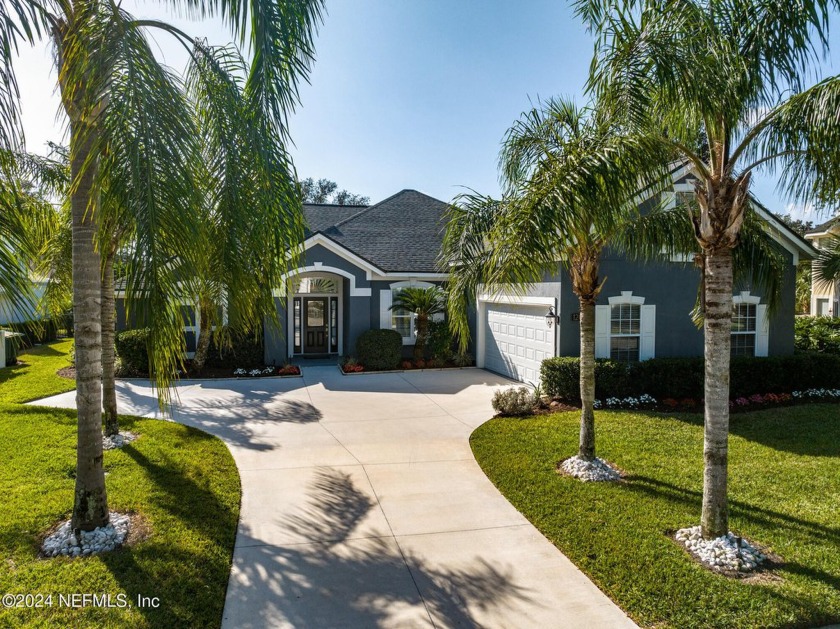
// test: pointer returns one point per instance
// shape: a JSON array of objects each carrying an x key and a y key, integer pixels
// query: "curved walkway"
[{"x": 362, "y": 506}]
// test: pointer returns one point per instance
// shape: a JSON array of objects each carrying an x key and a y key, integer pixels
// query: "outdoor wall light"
[{"x": 551, "y": 317}]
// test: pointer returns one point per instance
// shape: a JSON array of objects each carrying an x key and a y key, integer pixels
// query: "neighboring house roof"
[
  {"x": 403, "y": 233},
  {"x": 831, "y": 225}
]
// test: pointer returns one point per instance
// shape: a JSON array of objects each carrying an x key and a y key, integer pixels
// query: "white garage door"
[{"x": 517, "y": 340}]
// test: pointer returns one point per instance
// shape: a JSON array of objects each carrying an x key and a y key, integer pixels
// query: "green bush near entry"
[{"x": 379, "y": 349}]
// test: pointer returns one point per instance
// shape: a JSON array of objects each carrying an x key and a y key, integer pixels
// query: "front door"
[{"x": 315, "y": 325}]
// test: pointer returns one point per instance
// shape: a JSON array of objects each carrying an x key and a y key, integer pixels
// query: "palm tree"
[
  {"x": 732, "y": 74},
  {"x": 26, "y": 221},
  {"x": 425, "y": 303},
  {"x": 571, "y": 183},
  {"x": 827, "y": 264},
  {"x": 134, "y": 146}
]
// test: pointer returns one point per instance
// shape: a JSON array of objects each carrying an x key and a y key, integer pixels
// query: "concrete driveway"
[{"x": 362, "y": 506}]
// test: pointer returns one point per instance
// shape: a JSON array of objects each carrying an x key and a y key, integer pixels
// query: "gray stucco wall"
[{"x": 672, "y": 287}]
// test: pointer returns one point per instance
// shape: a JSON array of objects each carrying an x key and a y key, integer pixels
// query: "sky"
[{"x": 403, "y": 94}]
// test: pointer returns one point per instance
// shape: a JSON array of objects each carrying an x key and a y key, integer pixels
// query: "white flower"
[
  {"x": 240, "y": 372},
  {"x": 268, "y": 370},
  {"x": 255, "y": 372}
]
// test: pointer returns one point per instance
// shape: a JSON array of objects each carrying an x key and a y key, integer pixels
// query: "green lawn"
[
  {"x": 183, "y": 483},
  {"x": 34, "y": 377},
  {"x": 784, "y": 493}
]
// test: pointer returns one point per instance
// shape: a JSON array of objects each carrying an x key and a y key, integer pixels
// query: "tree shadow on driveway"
[{"x": 335, "y": 580}]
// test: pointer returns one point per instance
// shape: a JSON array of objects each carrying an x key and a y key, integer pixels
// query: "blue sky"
[{"x": 402, "y": 94}]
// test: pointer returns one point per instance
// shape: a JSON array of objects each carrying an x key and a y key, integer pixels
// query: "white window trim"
[
  {"x": 762, "y": 322},
  {"x": 386, "y": 315},
  {"x": 647, "y": 325}
]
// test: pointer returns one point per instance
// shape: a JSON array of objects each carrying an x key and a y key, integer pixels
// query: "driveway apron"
[{"x": 362, "y": 506}]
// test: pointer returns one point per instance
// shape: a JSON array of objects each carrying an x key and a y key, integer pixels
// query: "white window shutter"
[
  {"x": 602, "y": 331},
  {"x": 762, "y": 330},
  {"x": 385, "y": 301},
  {"x": 2, "y": 348},
  {"x": 647, "y": 342}
]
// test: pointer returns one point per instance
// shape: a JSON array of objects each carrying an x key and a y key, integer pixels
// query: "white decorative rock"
[
  {"x": 102, "y": 539},
  {"x": 596, "y": 470},
  {"x": 728, "y": 552},
  {"x": 118, "y": 440}
]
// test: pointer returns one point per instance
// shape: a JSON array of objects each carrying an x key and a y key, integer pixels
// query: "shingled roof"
[
  {"x": 403, "y": 233},
  {"x": 825, "y": 227}
]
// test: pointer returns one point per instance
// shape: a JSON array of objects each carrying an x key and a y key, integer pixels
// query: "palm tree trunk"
[
  {"x": 90, "y": 508},
  {"x": 109, "y": 392},
  {"x": 422, "y": 333},
  {"x": 718, "y": 329},
  {"x": 587, "y": 379},
  {"x": 202, "y": 348}
]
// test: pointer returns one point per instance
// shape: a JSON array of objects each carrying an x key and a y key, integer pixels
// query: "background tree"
[
  {"x": 133, "y": 146},
  {"x": 803, "y": 270},
  {"x": 732, "y": 72},
  {"x": 425, "y": 303},
  {"x": 324, "y": 191}
]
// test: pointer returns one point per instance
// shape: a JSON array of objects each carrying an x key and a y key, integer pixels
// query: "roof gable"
[{"x": 403, "y": 233}]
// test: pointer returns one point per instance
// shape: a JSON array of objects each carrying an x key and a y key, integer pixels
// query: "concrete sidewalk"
[{"x": 362, "y": 506}]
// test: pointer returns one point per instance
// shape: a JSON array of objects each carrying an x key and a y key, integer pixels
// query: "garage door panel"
[{"x": 517, "y": 340}]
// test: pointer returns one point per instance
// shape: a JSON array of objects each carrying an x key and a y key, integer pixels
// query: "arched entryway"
[{"x": 315, "y": 314}]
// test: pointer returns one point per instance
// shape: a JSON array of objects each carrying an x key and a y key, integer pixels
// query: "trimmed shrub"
[
  {"x": 514, "y": 402},
  {"x": 817, "y": 334},
  {"x": 682, "y": 378},
  {"x": 133, "y": 351},
  {"x": 379, "y": 349},
  {"x": 440, "y": 341},
  {"x": 246, "y": 351}
]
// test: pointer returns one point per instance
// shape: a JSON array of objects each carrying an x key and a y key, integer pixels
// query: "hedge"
[
  {"x": 133, "y": 352},
  {"x": 680, "y": 378},
  {"x": 379, "y": 349},
  {"x": 818, "y": 334},
  {"x": 246, "y": 351}
]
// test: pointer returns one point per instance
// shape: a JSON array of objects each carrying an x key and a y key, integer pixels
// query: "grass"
[
  {"x": 784, "y": 494},
  {"x": 34, "y": 377},
  {"x": 181, "y": 481}
]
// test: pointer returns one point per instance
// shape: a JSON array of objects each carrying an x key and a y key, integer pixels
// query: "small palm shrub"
[{"x": 514, "y": 402}]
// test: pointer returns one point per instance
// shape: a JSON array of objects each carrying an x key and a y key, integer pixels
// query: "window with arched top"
[
  {"x": 750, "y": 326},
  {"x": 398, "y": 319},
  {"x": 625, "y": 330}
]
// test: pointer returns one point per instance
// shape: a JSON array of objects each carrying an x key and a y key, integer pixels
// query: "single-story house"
[
  {"x": 825, "y": 296},
  {"x": 356, "y": 258}
]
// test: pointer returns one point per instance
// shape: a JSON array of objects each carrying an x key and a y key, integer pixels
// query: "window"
[
  {"x": 401, "y": 319},
  {"x": 625, "y": 331},
  {"x": 743, "y": 329},
  {"x": 398, "y": 319},
  {"x": 314, "y": 285},
  {"x": 822, "y": 307},
  {"x": 750, "y": 327}
]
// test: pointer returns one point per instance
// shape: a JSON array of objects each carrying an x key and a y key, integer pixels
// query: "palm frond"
[
  {"x": 149, "y": 148},
  {"x": 827, "y": 265}
]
